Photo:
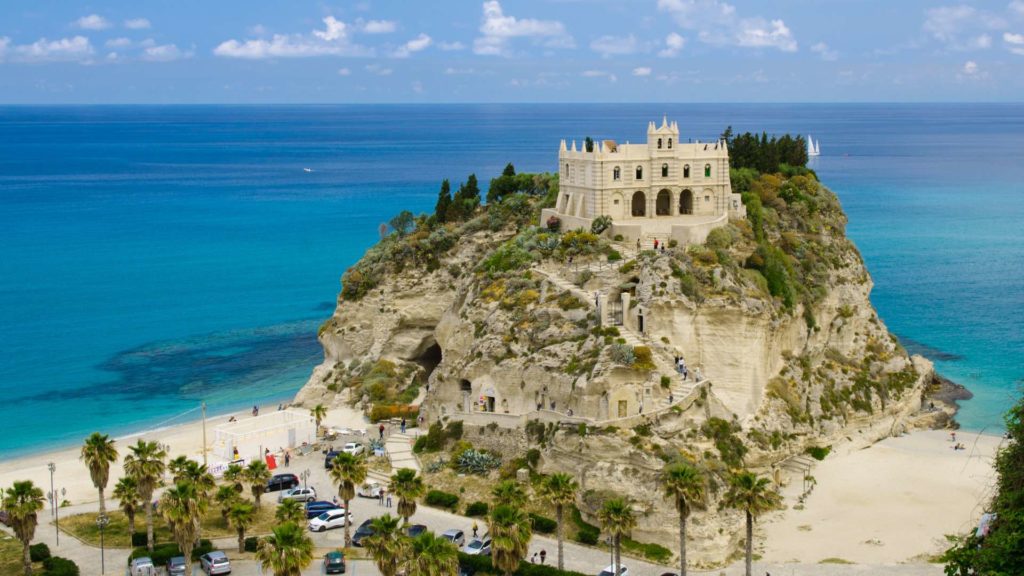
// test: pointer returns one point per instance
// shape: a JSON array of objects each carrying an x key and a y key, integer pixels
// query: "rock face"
[{"x": 570, "y": 340}]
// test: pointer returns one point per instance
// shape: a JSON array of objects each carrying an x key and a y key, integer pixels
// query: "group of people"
[
  {"x": 657, "y": 245},
  {"x": 543, "y": 555},
  {"x": 681, "y": 368},
  {"x": 956, "y": 445}
]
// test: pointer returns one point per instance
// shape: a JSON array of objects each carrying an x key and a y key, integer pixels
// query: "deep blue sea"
[{"x": 155, "y": 257}]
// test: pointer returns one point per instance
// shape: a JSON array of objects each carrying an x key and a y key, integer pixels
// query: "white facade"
[{"x": 662, "y": 189}]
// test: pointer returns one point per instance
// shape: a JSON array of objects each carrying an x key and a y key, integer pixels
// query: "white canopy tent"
[{"x": 269, "y": 431}]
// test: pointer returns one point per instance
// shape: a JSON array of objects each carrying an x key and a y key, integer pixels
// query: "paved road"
[{"x": 579, "y": 558}]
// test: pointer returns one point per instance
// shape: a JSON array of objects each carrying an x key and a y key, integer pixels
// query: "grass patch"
[
  {"x": 83, "y": 527},
  {"x": 834, "y": 561},
  {"x": 654, "y": 552},
  {"x": 10, "y": 555}
]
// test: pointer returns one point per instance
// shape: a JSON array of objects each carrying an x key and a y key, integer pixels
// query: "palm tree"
[
  {"x": 508, "y": 493},
  {"x": 204, "y": 482},
  {"x": 407, "y": 486},
  {"x": 684, "y": 484},
  {"x": 510, "y": 537},
  {"x": 431, "y": 555},
  {"x": 347, "y": 470},
  {"x": 319, "y": 412},
  {"x": 287, "y": 551},
  {"x": 127, "y": 493},
  {"x": 98, "y": 453},
  {"x": 226, "y": 497},
  {"x": 617, "y": 519},
  {"x": 176, "y": 467},
  {"x": 22, "y": 501},
  {"x": 753, "y": 495},
  {"x": 256, "y": 475},
  {"x": 235, "y": 474},
  {"x": 180, "y": 506},
  {"x": 387, "y": 545},
  {"x": 290, "y": 511},
  {"x": 559, "y": 489},
  {"x": 241, "y": 515},
  {"x": 146, "y": 466}
]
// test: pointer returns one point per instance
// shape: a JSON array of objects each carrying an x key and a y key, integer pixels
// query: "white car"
[
  {"x": 330, "y": 519},
  {"x": 142, "y": 567},
  {"x": 478, "y": 547},
  {"x": 298, "y": 494},
  {"x": 455, "y": 536},
  {"x": 370, "y": 490},
  {"x": 610, "y": 571},
  {"x": 215, "y": 562},
  {"x": 353, "y": 448}
]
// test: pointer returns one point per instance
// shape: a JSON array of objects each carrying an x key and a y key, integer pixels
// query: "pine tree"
[{"x": 444, "y": 201}]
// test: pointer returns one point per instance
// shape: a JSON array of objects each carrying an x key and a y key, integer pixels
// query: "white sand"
[
  {"x": 891, "y": 502},
  {"x": 72, "y": 475}
]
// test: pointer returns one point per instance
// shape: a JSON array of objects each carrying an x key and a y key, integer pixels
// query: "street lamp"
[
  {"x": 53, "y": 495},
  {"x": 56, "y": 513},
  {"x": 101, "y": 521},
  {"x": 305, "y": 477}
]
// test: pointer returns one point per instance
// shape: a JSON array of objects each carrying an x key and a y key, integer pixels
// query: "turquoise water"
[{"x": 154, "y": 257}]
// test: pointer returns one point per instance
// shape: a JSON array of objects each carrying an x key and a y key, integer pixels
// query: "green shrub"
[
  {"x": 585, "y": 533},
  {"x": 533, "y": 457},
  {"x": 619, "y": 238},
  {"x": 600, "y": 224},
  {"x": 419, "y": 445},
  {"x": 454, "y": 430},
  {"x": 476, "y": 462},
  {"x": 644, "y": 358},
  {"x": 627, "y": 267},
  {"x": 477, "y": 509},
  {"x": 653, "y": 552},
  {"x": 543, "y": 524},
  {"x": 251, "y": 543},
  {"x": 818, "y": 452},
  {"x": 138, "y": 539},
  {"x": 614, "y": 256},
  {"x": 57, "y": 566},
  {"x": 622, "y": 354},
  {"x": 666, "y": 382},
  {"x": 441, "y": 499},
  {"x": 388, "y": 411},
  {"x": 729, "y": 446},
  {"x": 482, "y": 565},
  {"x": 569, "y": 302},
  {"x": 39, "y": 552}
]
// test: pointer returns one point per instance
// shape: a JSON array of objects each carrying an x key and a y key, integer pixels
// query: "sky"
[{"x": 299, "y": 51}]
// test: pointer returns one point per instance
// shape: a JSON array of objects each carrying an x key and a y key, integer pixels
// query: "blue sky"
[{"x": 291, "y": 51}]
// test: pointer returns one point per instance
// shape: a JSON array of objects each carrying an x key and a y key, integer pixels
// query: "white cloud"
[
  {"x": 970, "y": 68},
  {"x": 43, "y": 50},
  {"x": 164, "y": 53},
  {"x": 417, "y": 44},
  {"x": 642, "y": 71},
  {"x": 1017, "y": 7},
  {"x": 118, "y": 43},
  {"x": 333, "y": 40},
  {"x": 92, "y": 22},
  {"x": 498, "y": 30},
  {"x": 608, "y": 46},
  {"x": 826, "y": 53},
  {"x": 674, "y": 43},
  {"x": 137, "y": 24},
  {"x": 600, "y": 74},
  {"x": 344, "y": 72},
  {"x": 378, "y": 26},
  {"x": 962, "y": 27},
  {"x": 718, "y": 23},
  {"x": 378, "y": 70},
  {"x": 1014, "y": 43},
  {"x": 451, "y": 46}
]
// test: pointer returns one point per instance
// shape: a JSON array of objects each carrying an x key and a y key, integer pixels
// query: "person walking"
[
  {"x": 381, "y": 430},
  {"x": 475, "y": 529},
  {"x": 287, "y": 458},
  {"x": 543, "y": 555},
  {"x": 388, "y": 495},
  {"x": 403, "y": 424}
]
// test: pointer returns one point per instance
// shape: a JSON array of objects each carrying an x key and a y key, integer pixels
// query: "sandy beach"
[{"x": 890, "y": 502}]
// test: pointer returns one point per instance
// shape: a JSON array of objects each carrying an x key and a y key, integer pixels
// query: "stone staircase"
[
  {"x": 566, "y": 286},
  {"x": 398, "y": 447}
]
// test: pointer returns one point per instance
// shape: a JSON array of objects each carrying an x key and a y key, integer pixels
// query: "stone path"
[{"x": 399, "y": 449}]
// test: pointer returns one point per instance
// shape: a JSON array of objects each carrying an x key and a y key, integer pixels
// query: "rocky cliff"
[{"x": 577, "y": 335}]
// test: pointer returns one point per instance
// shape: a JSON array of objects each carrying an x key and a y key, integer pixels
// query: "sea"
[{"x": 156, "y": 257}]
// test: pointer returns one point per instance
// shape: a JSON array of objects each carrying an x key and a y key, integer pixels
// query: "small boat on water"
[
  {"x": 307, "y": 169},
  {"x": 813, "y": 147}
]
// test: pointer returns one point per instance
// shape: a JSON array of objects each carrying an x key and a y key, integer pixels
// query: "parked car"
[
  {"x": 478, "y": 546},
  {"x": 176, "y": 566},
  {"x": 353, "y": 448},
  {"x": 415, "y": 530},
  {"x": 329, "y": 459},
  {"x": 330, "y": 519},
  {"x": 365, "y": 529},
  {"x": 282, "y": 482},
  {"x": 314, "y": 509},
  {"x": 466, "y": 570},
  {"x": 610, "y": 571},
  {"x": 370, "y": 490},
  {"x": 334, "y": 563},
  {"x": 455, "y": 536},
  {"x": 215, "y": 562},
  {"x": 142, "y": 566},
  {"x": 298, "y": 494}
]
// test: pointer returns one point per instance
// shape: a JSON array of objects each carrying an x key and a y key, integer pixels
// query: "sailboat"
[{"x": 813, "y": 148}]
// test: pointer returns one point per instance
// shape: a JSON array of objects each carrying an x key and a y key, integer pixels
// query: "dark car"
[
  {"x": 282, "y": 482},
  {"x": 334, "y": 563},
  {"x": 415, "y": 530},
  {"x": 466, "y": 570},
  {"x": 314, "y": 509},
  {"x": 365, "y": 529},
  {"x": 176, "y": 566},
  {"x": 329, "y": 459}
]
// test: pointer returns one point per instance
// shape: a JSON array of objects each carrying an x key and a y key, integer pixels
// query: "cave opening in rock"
[{"x": 429, "y": 359}]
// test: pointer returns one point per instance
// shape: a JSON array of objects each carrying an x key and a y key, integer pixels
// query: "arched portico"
[
  {"x": 663, "y": 205},
  {"x": 686, "y": 202},
  {"x": 639, "y": 205}
]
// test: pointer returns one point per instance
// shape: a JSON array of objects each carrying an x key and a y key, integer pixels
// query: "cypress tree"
[{"x": 444, "y": 201}]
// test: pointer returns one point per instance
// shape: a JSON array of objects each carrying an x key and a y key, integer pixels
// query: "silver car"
[
  {"x": 455, "y": 536},
  {"x": 215, "y": 562},
  {"x": 176, "y": 566},
  {"x": 298, "y": 494}
]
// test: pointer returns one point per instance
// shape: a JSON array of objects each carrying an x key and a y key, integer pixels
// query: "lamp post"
[
  {"x": 56, "y": 513},
  {"x": 305, "y": 476},
  {"x": 101, "y": 521},
  {"x": 53, "y": 495}
]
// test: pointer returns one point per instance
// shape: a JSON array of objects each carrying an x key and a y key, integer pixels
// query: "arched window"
[
  {"x": 616, "y": 173},
  {"x": 707, "y": 170},
  {"x": 659, "y": 143},
  {"x": 669, "y": 143},
  {"x": 639, "y": 172},
  {"x": 664, "y": 170},
  {"x": 686, "y": 171}
]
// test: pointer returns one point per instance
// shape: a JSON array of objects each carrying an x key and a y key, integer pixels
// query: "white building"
[{"x": 663, "y": 189}]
